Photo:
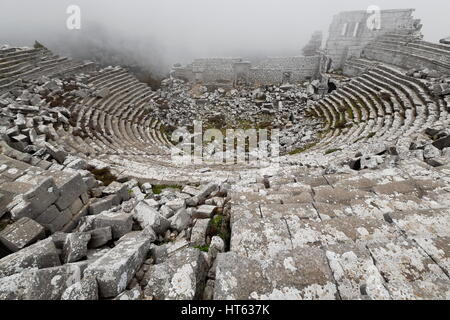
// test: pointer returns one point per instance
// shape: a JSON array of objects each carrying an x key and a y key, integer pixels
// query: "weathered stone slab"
[
  {"x": 21, "y": 233},
  {"x": 198, "y": 233},
  {"x": 328, "y": 211},
  {"x": 100, "y": 237},
  {"x": 119, "y": 189},
  {"x": 396, "y": 187},
  {"x": 410, "y": 273},
  {"x": 335, "y": 195},
  {"x": 348, "y": 229},
  {"x": 71, "y": 187},
  {"x": 201, "y": 197},
  {"x": 204, "y": 212},
  {"x": 355, "y": 273},
  {"x": 116, "y": 268},
  {"x": 86, "y": 289},
  {"x": 301, "y": 274},
  {"x": 75, "y": 246},
  {"x": 180, "y": 277},
  {"x": 181, "y": 220},
  {"x": 260, "y": 239},
  {"x": 48, "y": 215},
  {"x": 120, "y": 222},
  {"x": 438, "y": 249},
  {"x": 103, "y": 204},
  {"x": 147, "y": 216},
  {"x": 36, "y": 200},
  {"x": 42, "y": 254},
  {"x": 303, "y": 211},
  {"x": 44, "y": 284},
  {"x": 423, "y": 223}
]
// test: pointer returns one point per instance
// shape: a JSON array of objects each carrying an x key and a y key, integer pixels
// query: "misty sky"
[{"x": 179, "y": 30}]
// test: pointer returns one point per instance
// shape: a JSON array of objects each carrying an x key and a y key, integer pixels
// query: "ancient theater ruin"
[{"x": 354, "y": 203}]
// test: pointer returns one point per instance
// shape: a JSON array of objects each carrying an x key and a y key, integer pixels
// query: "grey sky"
[{"x": 179, "y": 30}]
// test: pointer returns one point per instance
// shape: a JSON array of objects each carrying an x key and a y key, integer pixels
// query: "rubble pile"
[
  {"x": 129, "y": 244},
  {"x": 271, "y": 107}
]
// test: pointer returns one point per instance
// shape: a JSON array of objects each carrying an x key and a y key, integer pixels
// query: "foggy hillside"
[{"x": 158, "y": 33}]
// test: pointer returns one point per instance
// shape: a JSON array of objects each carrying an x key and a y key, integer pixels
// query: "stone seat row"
[
  {"x": 382, "y": 104},
  {"x": 369, "y": 235}
]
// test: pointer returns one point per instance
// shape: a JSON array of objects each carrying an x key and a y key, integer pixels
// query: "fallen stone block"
[
  {"x": 147, "y": 216},
  {"x": 103, "y": 204},
  {"x": 176, "y": 204},
  {"x": 181, "y": 220},
  {"x": 61, "y": 220},
  {"x": 180, "y": 277},
  {"x": 57, "y": 153},
  {"x": 137, "y": 193},
  {"x": 120, "y": 222},
  {"x": 44, "y": 284},
  {"x": 100, "y": 237},
  {"x": 119, "y": 189},
  {"x": 36, "y": 200},
  {"x": 71, "y": 187},
  {"x": 191, "y": 191},
  {"x": 198, "y": 233},
  {"x": 301, "y": 274},
  {"x": 21, "y": 234},
  {"x": 42, "y": 254},
  {"x": 48, "y": 215},
  {"x": 75, "y": 246},
  {"x": 216, "y": 246},
  {"x": 201, "y": 197},
  {"x": 86, "y": 289},
  {"x": 204, "y": 212},
  {"x": 116, "y": 268}
]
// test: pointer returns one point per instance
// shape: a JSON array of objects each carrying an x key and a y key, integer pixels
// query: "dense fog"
[{"x": 159, "y": 33}]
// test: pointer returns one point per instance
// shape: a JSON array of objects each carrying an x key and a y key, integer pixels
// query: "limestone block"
[{"x": 21, "y": 233}]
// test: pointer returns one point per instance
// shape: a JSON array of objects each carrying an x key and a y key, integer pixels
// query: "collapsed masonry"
[{"x": 92, "y": 207}]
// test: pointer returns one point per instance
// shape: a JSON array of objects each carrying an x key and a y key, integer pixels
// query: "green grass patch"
[
  {"x": 329, "y": 151},
  {"x": 300, "y": 150},
  {"x": 158, "y": 189},
  {"x": 204, "y": 248},
  {"x": 216, "y": 222}
]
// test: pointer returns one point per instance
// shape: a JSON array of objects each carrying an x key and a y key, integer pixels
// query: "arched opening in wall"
[{"x": 331, "y": 87}]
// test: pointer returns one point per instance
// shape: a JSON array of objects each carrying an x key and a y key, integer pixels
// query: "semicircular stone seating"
[
  {"x": 298, "y": 230},
  {"x": 383, "y": 103}
]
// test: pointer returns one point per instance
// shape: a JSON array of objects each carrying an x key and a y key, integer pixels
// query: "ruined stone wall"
[
  {"x": 273, "y": 70},
  {"x": 215, "y": 69},
  {"x": 349, "y": 32},
  {"x": 267, "y": 71}
]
